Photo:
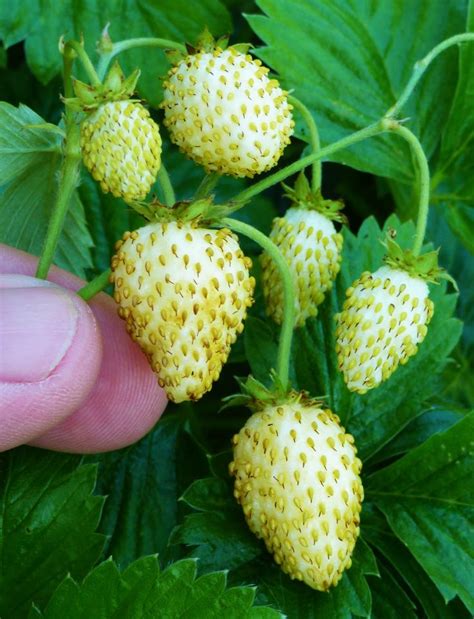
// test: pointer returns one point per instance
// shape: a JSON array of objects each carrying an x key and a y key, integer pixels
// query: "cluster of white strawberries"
[{"x": 184, "y": 289}]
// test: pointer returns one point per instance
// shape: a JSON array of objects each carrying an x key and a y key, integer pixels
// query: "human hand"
[{"x": 60, "y": 387}]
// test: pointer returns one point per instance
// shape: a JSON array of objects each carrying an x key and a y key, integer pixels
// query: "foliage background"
[{"x": 169, "y": 494}]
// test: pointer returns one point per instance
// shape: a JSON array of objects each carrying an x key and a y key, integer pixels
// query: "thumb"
[{"x": 50, "y": 354}]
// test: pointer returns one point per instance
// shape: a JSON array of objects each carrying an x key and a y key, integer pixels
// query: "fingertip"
[
  {"x": 126, "y": 401},
  {"x": 51, "y": 356}
]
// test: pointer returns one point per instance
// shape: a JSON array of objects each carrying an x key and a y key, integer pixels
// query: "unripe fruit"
[
  {"x": 223, "y": 111},
  {"x": 312, "y": 248},
  {"x": 297, "y": 479},
  {"x": 183, "y": 292},
  {"x": 383, "y": 319},
  {"x": 121, "y": 147}
]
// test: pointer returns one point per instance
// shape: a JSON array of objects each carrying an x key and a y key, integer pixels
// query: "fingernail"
[{"x": 38, "y": 321}]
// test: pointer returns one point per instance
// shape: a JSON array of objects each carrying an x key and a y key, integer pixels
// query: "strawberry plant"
[{"x": 269, "y": 235}]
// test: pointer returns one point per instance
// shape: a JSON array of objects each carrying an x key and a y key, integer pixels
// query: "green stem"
[
  {"x": 314, "y": 140},
  {"x": 423, "y": 180},
  {"x": 68, "y": 181},
  {"x": 207, "y": 185},
  {"x": 421, "y": 66},
  {"x": 166, "y": 186},
  {"x": 69, "y": 175},
  {"x": 85, "y": 60},
  {"x": 68, "y": 63},
  {"x": 95, "y": 286},
  {"x": 253, "y": 190},
  {"x": 289, "y": 312},
  {"x": 122, "y": 46}
]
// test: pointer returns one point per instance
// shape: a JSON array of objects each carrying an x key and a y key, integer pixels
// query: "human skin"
[{"x": 71, "y": 379}]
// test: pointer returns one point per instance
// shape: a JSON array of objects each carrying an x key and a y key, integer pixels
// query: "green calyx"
[
  {"x": 423, "y": 266},
  {"x": 202, "y": 211},
  {"x": 257, "y": 396},
  {"x": 303, "y": 196},
  {"x": 116, "y": 87},
  {"x": 206, "y": 43},
  {"x": 105, "y": 44}
]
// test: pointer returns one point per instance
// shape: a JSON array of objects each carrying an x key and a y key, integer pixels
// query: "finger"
[
  {"x": 46, "y": 334},
  {"x": 126, "y": 400}
]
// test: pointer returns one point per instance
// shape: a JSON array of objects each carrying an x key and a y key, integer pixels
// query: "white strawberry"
[
  {"x": 297, "y": 479},
  {"x": 121, "y": 147},
  {"x": 383, "y": 319},
  {"x": 224, "y": 112},
  {"x": 312, "y": 248},
  {"x": 184, "y": 293}
]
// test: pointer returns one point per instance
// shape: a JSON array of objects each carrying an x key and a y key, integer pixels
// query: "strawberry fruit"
[
  {"x": 121, "y": 147},
  {"x": 297, "y": 479},
  {"x": 383, "y": 319},
  {"x": 312, "y": 248},
  {"x": 224, "y": 112},
  {"x": 308, "y": 240},
  {"x": 183, "y": 292}
]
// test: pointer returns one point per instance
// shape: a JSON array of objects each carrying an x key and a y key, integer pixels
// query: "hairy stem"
[
  {"x": 423, "y": 182},
  {"x": 207, "y": 185},
  {"x": 421, "y": 66},
  {"x": 68, "y": 181},
  {"x": 122, "y": 46},
  {"x": 85, "y": 60},
  {"x": 166, "y": 186},
  {"x": 95, "y": 286},
  {"x": 253, "y": 190},
  {"x": 68, "y": 178},
  {"x": 289, "y": 314},
  {"x": 314, "y": 140}
]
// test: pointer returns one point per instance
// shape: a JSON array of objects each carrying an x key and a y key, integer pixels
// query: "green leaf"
[
  {"x": 427, "y": 499},
  {"x": 223, "y": 540},
  {"x": 379, "y": 535},
  {"x": 219, "y": 533},
  {"x": 457, "y": 149},
  {"x": 348, "y": 62},
  {"x": 16, "y": 20},
  {"x": 143, "y": 591},
  {"x": 458, "y": 374},
  {"x": 43, "y": 22},
  {"x": 29, "y": 166},
  {"x": 418, "y": 431},
  {"x": 48, "y": 518},
  {"x": 389, "y": 601},
  {"x": 456, "y": 260},
  {"x": 23, "y": 147},
  {"x": 210, "y": 494},
  {"x": 376, "y": 417},
  {"x": 143, "y": 483},
  {"x": 297, "y": 600},
  {"x": 461, "y": 221}
]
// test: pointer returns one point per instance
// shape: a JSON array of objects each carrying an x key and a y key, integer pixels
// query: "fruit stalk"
[
  {"x": 289, "y": 316},
  {"x": 85, "y": 60},
  {"x": 69, "y": 173},
  {"x": 122, "y": 46},
  {"x": 165, "y": 183},
  {"x": 95, "y": 286},
  {"x": 207, "y": 185},
  {"x": 421, "y": 66},
  {"x": 314, "y": 140},
  {"x": 368, "y": 132},
  {"x": 423, "y": 180}
]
